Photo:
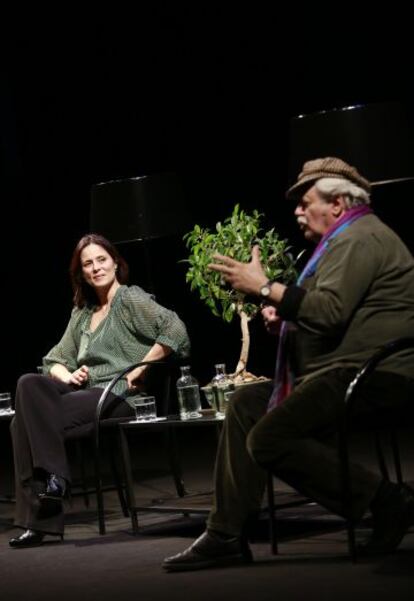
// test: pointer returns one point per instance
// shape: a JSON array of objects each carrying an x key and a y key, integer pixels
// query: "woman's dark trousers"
[{"x": 46, "y": 409}]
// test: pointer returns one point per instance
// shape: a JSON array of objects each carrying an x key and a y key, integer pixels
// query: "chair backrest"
[
  {"x": 351, "y": 400},
  {"x": 391, "y": 348},
  {"x": 159, "y": 382}
]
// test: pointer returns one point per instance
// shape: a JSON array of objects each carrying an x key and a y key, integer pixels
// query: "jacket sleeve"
[{"x": 342, "y": 279}]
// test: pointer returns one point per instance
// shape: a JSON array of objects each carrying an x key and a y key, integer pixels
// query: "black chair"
[
  {"x": 379, "y": 428},
  {"x": 106, "y": 427}
]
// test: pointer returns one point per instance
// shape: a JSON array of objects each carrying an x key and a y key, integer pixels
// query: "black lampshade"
[
  {"x": 141, "y": 208},
  {"x": 378, "y": 139}
]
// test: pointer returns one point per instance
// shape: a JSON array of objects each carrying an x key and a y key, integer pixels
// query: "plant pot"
[{"x": 219, "y": 407}]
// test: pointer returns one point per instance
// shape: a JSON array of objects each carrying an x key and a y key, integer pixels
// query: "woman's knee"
[
  {"x": 26, "y": 384},
  {"x": 28, "y": 380}
]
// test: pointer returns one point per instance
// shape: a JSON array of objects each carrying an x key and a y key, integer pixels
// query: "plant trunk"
[{"x": 244, "y": 354}]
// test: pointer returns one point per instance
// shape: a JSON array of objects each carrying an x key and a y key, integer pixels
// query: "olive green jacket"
[{"x": 360, "y": 297}]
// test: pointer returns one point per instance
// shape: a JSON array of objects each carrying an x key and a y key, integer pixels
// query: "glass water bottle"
[
  {"x": 223, "y": 387},
  {"x": 188, "y": 392}
]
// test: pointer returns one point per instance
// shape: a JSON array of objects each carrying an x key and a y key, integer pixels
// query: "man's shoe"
[
  {"x": 51, "y": 500},
  {"x": 29, "y": 538},
  {"x": 209, "y": 550},
  {"x": 392, "y": 518}
]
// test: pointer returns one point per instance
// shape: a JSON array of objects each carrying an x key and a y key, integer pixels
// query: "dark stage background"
[{"x": 211, "y": 95}]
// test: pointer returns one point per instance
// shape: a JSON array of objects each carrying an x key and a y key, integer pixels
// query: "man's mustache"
[{"x": 302, "y": 221}]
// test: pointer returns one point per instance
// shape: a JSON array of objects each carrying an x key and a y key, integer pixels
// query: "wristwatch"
[{"x": 265, "y": 290}]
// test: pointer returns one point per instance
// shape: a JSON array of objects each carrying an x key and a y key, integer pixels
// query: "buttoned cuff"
[{"x": 288, "y": 307}]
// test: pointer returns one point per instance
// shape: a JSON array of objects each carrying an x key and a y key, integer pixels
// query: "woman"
[{"x": 112, "y": 326}]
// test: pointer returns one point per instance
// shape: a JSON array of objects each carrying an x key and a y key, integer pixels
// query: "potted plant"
[{"x": 235, "y": 237}]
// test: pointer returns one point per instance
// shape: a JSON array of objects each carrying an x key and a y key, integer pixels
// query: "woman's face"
[{"x": 98, "y": 267}]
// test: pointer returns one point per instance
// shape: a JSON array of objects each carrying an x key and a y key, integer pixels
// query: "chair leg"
[
  {"x": 126, "y": 462},
  {"x": 81, "y": 462},
  {"x": 117, "y": 480},
  {"x": 347, "y": 492},
  {"x": 396, "y": 455},
  {"x": 272, "y": 514},
  {"x": 380, "y": 456},
  {"x": 99, "y": 492}
]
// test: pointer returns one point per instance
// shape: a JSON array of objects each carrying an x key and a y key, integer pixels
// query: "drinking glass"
[
  {"x": 5, "y": 402},
  {"x": 144, "y": 407}
]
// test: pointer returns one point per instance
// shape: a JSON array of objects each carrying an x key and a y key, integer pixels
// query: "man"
[{"x": 355, "y": 294}]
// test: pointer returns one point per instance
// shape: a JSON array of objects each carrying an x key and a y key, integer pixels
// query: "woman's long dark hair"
[{"x": 83, "y": 293}]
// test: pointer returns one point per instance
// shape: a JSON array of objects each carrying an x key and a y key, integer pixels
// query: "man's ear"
[{"x": 339, "y": 206}]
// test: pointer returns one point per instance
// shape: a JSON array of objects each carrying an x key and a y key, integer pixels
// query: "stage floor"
[{"x": 312, "y": 561}]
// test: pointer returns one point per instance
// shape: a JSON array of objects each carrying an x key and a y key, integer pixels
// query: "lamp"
[
  {"x": 141, "y": 209},
  {"x": 378, "y": 139}
]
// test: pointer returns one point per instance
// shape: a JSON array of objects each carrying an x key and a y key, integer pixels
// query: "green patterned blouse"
[{"x": 134, "y": 323}]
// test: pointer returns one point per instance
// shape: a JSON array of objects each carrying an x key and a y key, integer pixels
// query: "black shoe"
[
  {"x": 392, "y": 515},
  {"x": 51, "y": 500},
  {"x": 29, "y": 538},
  {"x": 209, "y": 550}
]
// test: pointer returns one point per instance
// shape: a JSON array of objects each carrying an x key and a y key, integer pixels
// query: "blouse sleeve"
[
  {"x": 65, "y": 352},
  {"x": 154, "y": 322}
]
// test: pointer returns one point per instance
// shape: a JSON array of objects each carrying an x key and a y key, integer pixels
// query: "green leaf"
[{"x": 235, "y": 237}]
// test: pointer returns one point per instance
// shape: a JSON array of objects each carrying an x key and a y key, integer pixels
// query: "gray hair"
[{"x": 354, "y": 195}]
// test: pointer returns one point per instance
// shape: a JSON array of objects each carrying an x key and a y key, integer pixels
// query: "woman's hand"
[
  {"x": 271, "y": 319},
  {"x": 79, "y": 376},
  {"x": 136, "y": 377}
]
